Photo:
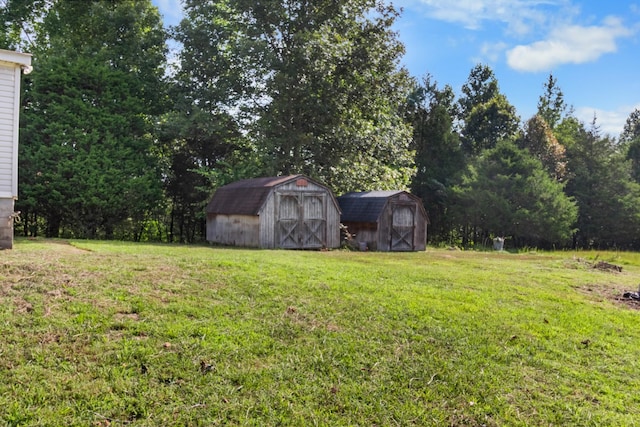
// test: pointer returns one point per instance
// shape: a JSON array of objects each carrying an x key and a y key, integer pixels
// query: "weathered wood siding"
[
  {"x": 234, "y": 230},
  {"x": 300, "y": 214},
  {"x": 402, "y": 226},
  {"x": 366, "y": 234},
  {"x": 290, "y": 212},
  {"x": 9, "y": 104},
  {"x": 396, "y": 222}
]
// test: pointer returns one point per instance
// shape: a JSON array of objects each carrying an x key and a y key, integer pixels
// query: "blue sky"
[{"x": 591, "y": 47}]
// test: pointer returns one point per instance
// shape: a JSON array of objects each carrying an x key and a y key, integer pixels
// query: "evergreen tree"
[
  {"x": 608, "y": 199},
  {"x": 551, "y": 105},
  {"x": 540, "y": 141},
  {"x": 486, "y": 115},
  {"x": 631, "y": 129},
  {"x": 630, "y": 140},
  {"x": 87, "y": 160},
  {"x": 439, "y": 159},
  {"x": 506, "y": 192}
]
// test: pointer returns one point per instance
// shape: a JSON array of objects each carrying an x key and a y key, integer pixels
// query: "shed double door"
[
  {"x": 402, "y": 227},
  {"x": 301, "y": 220}
]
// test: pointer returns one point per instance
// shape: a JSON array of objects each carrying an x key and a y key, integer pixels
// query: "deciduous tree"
[{"x": 317, "y": 84}]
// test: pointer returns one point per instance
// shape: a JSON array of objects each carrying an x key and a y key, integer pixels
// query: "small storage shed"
[
  {"x": 11, "y": 66},
  {"x": 291, "y": 212},
  {"x": 385, "y": 220}
]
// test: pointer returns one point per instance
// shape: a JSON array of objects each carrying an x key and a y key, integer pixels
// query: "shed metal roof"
[
  {"x": 247, "y": 196},
  {"x": 365, "y": 206},
  {"x": 244, "y": 197}
]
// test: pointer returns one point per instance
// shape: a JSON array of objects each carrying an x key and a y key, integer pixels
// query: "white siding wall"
[{"x": 9, "y": 103}]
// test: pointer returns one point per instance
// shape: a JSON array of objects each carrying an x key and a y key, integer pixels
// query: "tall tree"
[
  {"x": 319, "y": 84},
  {"x": 87, "y": 159},
  {"x": 540, "y": 141},
  {"x": 506, "y": 192},
  {"x": 630, "y": 140},
  {"x": 608, "y": 199},
  {"x": 202, "y": 138},
  {"x": 439, "y": 159},
  {"x": 485, "y": 113},
  {"x": 631, "y": 128},
  {"x": 551, "y": 105}
]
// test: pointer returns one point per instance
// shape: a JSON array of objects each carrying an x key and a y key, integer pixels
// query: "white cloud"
[
  {"x": 610, "y": 122},
  {"x": 519, "y": 15},
  {"x": 568, "y": 44},
  {"x": 492, "y": 51}
]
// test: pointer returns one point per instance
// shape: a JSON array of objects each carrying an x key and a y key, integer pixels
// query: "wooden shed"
[
  {"x": 292, "y": 212},
  {"x": 385, "y": 220},
  {"x": 12, "y": 64}
]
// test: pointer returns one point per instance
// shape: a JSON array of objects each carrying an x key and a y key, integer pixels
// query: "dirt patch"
[
  {"x": 67, "y": 247},
  {"x": 22, "y": 306},
  {"x": 630, "y": 299},
  {"x": 610, "y": 292},
  {"x": 606, "y": 266}
]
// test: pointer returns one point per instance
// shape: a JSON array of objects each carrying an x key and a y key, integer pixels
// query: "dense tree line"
[{"x": 118, "y": 142}]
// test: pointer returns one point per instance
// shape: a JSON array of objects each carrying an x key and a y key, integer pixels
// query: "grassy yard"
[{"x": 110, "y": 334}]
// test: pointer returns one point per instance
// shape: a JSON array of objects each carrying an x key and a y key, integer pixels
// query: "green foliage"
[
  {"x": 602, "y": 184},
  {"x": 439, "y": 159},
  {"x": 117, "y": 144},
  {"x": 17, "y": 21},
  {"x": 630, "y": 138},
  {"x": 631, "y": 129},
  {"x": 507, "y": 193},
  {"x": 551, "y": 105},
  {"x": 480, "y": 88},
  {"x": 317, "y": 84},
  {"x": 87, "y": 161},
  {"x": 201, "y": 139},
  {"x": 486, "y": 114}
]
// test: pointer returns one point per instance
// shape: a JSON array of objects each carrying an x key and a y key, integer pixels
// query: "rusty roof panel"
[{"x": 244, "y": 197}]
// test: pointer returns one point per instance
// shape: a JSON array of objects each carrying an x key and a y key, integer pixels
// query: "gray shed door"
[
  {"x": 301, "y": 220},
  {"x": 402, "y": 227}
]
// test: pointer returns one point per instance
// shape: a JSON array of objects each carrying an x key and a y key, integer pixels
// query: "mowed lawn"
[{"x": 111, "y": 334}]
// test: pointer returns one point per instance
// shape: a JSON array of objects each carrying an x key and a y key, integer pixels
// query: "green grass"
[{"x": 106, "y": 333}]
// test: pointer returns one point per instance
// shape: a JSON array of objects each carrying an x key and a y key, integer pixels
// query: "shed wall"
[
  {"x": 384, "y": 235},
  {"x": 365, "y": 233},
  {"x": 269, "y": 236},
  {"x": 267, "y": 220},
  {"x": 384, "y": 229},
  {"x": 234, "y": 230},
  {"x": 385, "y": 226},
  {"x": 295, "y": 213},
  {"x": 421, "y": 233}
]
